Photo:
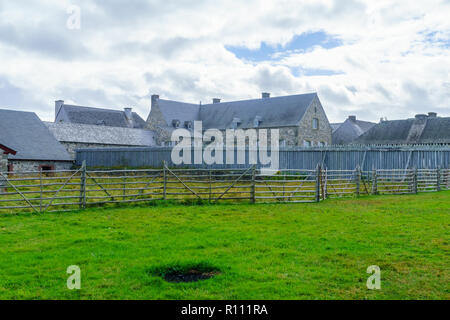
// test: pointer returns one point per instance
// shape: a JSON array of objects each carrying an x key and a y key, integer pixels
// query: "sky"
[{"x": 371, "y": 59}]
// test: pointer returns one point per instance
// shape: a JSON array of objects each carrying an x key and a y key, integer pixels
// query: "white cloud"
[{"x": 393, "y": 61}]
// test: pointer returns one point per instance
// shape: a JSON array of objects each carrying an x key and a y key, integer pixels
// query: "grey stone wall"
[
  {"x": 3, "y": 168},
  {"x": 21, "y": 166},
  {"x": 3, "y": 161},
  {"x": 157, "y": 123},
  {"x": 306, "y": 131}
]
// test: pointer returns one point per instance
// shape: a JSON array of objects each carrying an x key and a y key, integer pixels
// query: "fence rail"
[{"x": 41, "y": 192}]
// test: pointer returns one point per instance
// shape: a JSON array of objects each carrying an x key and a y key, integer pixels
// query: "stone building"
[
  {"x": 423, "y": 129},
  {"x": 36, "y": 148},
  {"x": 77, "y": 127},
  {"x": 76, "y": 136},
  {"x": 350, "y": 130},
  {"x": 97, "y": 116},
  {"x": 301, "y": 119}
]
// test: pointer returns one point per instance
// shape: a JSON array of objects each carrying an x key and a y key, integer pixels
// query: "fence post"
[
  {"x": 438, "y": 178},
  {"x": 83, "y": 186},
  {"x": 318, "y": 170},
  {"x": 358, "y": 180},
  {"x": 253, "y": 193},
  {"x": 210, "y": 185},
  {"x": 415, "y": 187},
  {"x": 40, "y": 187},
  {"x": 165, "y": 180},
  {"x": 374, "y": 182}
]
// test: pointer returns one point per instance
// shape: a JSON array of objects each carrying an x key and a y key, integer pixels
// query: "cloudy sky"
[{"x": 369, "y": 58}]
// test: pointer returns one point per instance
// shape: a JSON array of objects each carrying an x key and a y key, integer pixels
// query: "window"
[
  {"x": 307, "y": 143},
  {"x": 188, "y": 124},
  {"x": 176, "y": 123},
  {"x": 236, "y": 122},
  {"x": 256, "y": 122},
  {"x": 315, "y": 124}
]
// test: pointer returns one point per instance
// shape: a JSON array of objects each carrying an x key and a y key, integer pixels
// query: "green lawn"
[{"x": 263, "y": 251}]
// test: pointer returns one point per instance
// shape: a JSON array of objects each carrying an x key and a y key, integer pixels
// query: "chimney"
[
  {"x": 216, "y": 100},
  {"x": 352, "y": 118},
  {"x": 265, "y": 95},
  {"x": 421, "y": 117},
  {"x": 58, "y": 105},
  {"x": 432, "y": 114},
  {"x": 155, "y": 97},
  {"x": 129, "y": 116}
]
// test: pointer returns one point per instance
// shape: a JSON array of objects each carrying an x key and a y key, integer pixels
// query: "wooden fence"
[
  {"x": 51, "y": 191},
  {"x": 332, "y": 157}
]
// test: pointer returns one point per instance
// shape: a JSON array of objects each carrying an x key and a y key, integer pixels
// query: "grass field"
[{"x": 263, "y": 251}]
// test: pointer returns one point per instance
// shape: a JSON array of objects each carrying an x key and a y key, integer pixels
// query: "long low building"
[
  {"x": 76, "y": 136},
  {"x": 423, "y": 129}
]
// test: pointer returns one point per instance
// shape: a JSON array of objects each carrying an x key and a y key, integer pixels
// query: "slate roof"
[
  {"x": 335, "y": 126},
  {"x": 174, "y": 110},
  {"x": 273, "y": 112},
  {"x": 25, "y": 133},
  {"x": 94, "y": 116},
  {"x": 94, "y": 134},
  {"x": 436, "y": 130},
  {"x": 350, "y": 130}
]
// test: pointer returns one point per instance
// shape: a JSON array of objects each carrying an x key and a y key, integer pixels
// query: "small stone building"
[
  {"x": 300, "y": 119},
  {"x": 97, "y": 116},
  {"x": 77, "y": 136},
  {"x": 350, "y": 130},
  {"x": 423, "y": 129},
  {"x": 36, "y": 148}
]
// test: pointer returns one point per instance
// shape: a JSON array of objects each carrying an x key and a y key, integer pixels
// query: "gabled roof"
[
  {"x": 93, "y": 134},
  {"x": 25, "y": 133},
  {"x": 97, "y": 116},
  {"x": 274, "y": 112},
  {"x": 350, "y": 130},
  {"x": 436, "y": 130},
  {"x": 174, "y": 110}
]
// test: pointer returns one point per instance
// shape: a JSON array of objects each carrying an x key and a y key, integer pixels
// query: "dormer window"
[
  {"x": 257, "y": 121},
  {"x": 236, "y": 123},
  {"x": 188, "y": 124},
  {"x": 176, "y": 123}
]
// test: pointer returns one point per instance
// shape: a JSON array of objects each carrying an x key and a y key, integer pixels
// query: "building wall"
[
  {"x": 289, "y": 136},
  {"x": 157, "y": 123},
  {"x": 3, "y": 168},
  {"x": 3, "y": 161},
  {"x": 23, "y": 165},
  {"x": 306, "y": 131}
]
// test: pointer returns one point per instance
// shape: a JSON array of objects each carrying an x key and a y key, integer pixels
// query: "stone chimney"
[
  {"x": 58, "y": 105},
  {"x": 417, "y": 127},
  {"x": 352, "y": 118},
  {"x": 216, "y": 100},
  {"x": 265, "y": 95},
  {"x": 432, "y": 114},
  {"x": 129, "y": 116}
]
